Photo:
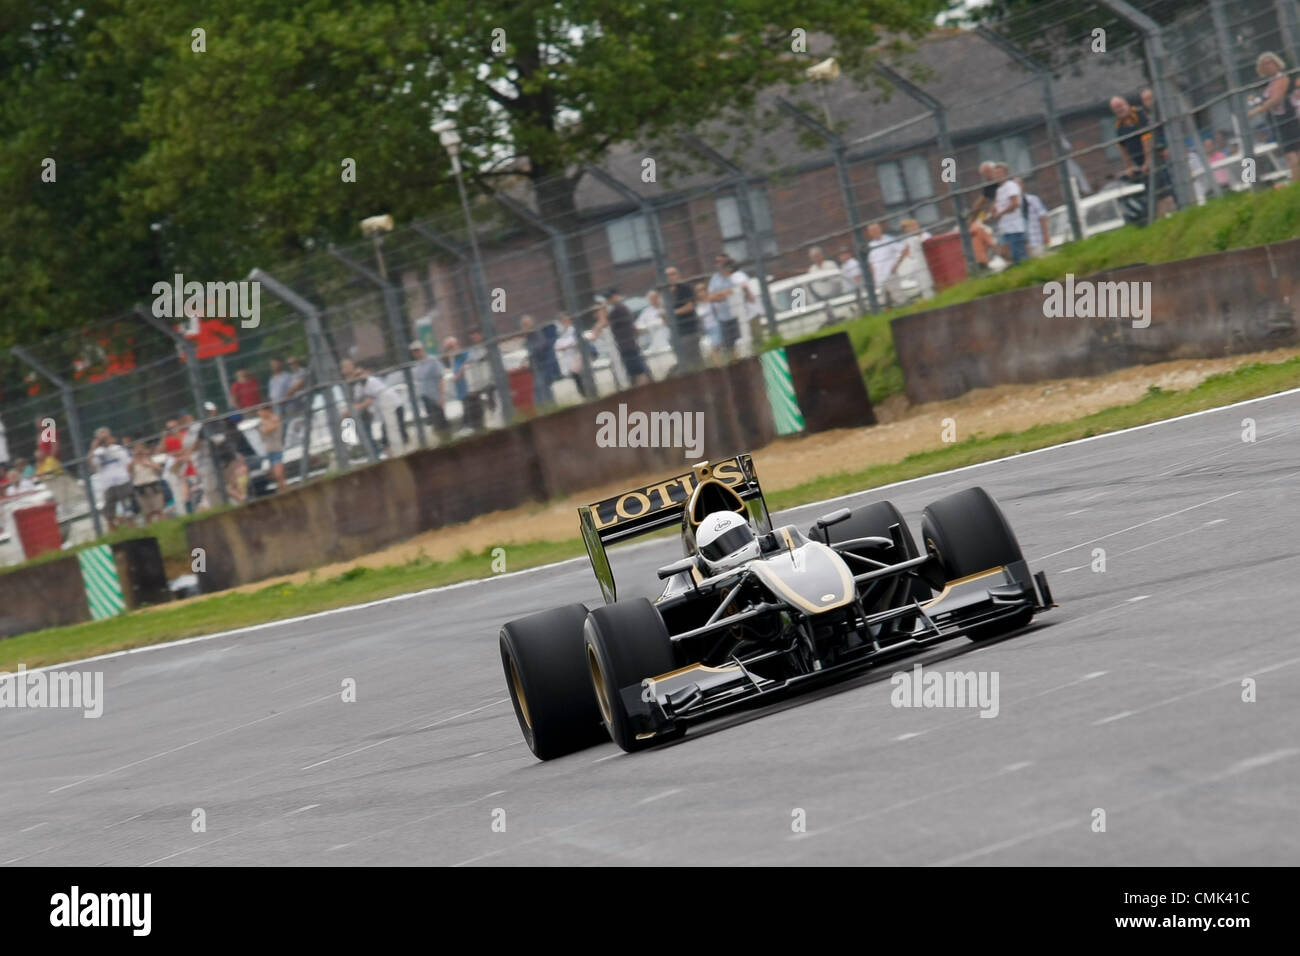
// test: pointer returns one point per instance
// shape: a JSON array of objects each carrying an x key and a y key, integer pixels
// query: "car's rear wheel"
[
  {"x": 969, "y": 534},
  {"x": 546, "y": 673},
  {"x": 626, "y": 642}
]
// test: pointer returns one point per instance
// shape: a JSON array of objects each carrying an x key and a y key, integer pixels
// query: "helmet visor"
[{"x": 727, "y": 542}]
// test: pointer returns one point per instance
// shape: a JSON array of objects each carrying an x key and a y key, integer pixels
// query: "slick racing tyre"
[
  {"x": 969, "y": 534},
  {"x": 626, "y": 642},
  {"x": 546, "y": 672}
]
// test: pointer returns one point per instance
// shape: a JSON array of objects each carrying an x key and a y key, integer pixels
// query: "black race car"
[{"x": 799, "y": 606}]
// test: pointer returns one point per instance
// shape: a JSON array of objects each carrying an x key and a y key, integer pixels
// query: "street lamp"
[
  {"x": 822, "y": 74},
  {"x": 450, "y": 139}
]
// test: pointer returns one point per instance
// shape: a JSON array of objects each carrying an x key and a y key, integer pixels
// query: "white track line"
[{"x": 252, "y": 628}]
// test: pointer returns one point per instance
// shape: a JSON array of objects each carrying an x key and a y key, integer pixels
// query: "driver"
[{"x": 725, "y": 540}]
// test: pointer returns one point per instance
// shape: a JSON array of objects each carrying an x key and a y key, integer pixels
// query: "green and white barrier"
[
  {"x": 780, "y": 392},
  {"x": 103, "y": 589}
]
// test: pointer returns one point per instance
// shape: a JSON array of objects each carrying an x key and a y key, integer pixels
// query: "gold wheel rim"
[
  {"x": 598, "y": 682},
  {"x": 520, "y": 697}
]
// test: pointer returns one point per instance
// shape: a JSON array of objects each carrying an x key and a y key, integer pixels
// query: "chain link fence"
[{"x": 840, "y": 200}]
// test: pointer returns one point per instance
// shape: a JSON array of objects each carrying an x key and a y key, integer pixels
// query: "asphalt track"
[{"x": 1127, "y": 698}]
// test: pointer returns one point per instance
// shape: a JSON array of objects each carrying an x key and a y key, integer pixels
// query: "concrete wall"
[
  {"x": 1222, "y": 304},
  {"x": 43, "y": 595},
  {"x": 543, "y": 458},
  {"x": 829, "y": 384}
]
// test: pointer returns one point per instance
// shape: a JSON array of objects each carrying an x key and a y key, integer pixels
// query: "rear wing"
[{"x": 644, "y": 510}]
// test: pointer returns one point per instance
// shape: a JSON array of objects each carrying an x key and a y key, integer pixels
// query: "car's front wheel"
[
  {"x": 626, "y": 642},
  {"x": 546, "y": 674},
  {"x": 969, "y": 534}
]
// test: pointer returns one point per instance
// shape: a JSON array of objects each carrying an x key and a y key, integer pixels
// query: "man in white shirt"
[
  {"x": 112, "y": 463},
  {"x": 379, "y": 395},
  {"x": 1036, "y": 234},
  {"x": 1009, "y": 213},
  {"x": 819, "y": 263},
  {"x": 851, "y": 269},
  {"x": 883, "y": 257},
  {"x": 650, "y": 326}
]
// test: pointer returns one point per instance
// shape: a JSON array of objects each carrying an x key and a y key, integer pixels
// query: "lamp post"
[{"x": 450, "y": 139}]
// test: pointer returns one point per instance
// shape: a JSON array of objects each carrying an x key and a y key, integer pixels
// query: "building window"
[
  {"x": 904, "y": 186},
  {"x": 733, "y": 232},
  {"x": 629, "y": 239},
  {"x": 1108, "y": 137},
  {"x": 1012, "y": 150}
]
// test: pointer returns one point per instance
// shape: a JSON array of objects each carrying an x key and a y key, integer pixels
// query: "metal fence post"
[
  {"x": 861, "y": 248},
  {"x": 186, "y": 347},
  {"x": 74, "y": 426},
  {"x": 394, "y": 311},
  {"x": 560, "y": 256},
  {"x": 651, "y": 215},
  {"x": 945, "y": 147},
  {"x": 1230, "y": 72},
  {"x": 1054, "y": 133},
  {"x": 320, "y": 364},
  {"x": 740, "y": 182},
  {"x": 1156, "y": 67}
]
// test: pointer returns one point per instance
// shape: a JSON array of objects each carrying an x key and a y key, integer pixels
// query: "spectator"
[
  {"x": 171, "y": 441},
  {"x": 688, "y": 322},
  {"x": 146, "y": 479},
  {"x": 567, "y": 356},
  {"x": 244, "y": 391},
  {"x": 745, "y": 306},
  {"x": 652, "y": 332},
  {"x": 883, "y": 258},
  {"x": 19, "y": 479},
  {"x": 199, "y": 469},
  {"x": 472, "y": 380},
  {"x": 708, "y": 320},
  {"x": 720, "y": 290},
  {"x": 1281, "y": 109},
  {"x": 1037, "y": 235},
  {"x": 1215, "y": 155},
  {"x": 851, "y": 269},
  {"x": 278, "y": 385},
  {"x": 431, "y": 387},
  {"x": 1165, "y": 199},
  {"x": 295, "y": 404},
  {"x": 540, "y": 344},
  {"x": 912, "y": 266},
  {"x": 4, "y": 449},
  {"x": 1009, "y": 217},
  {"x": 618, "y": 317},
  {"x": 111, "y": 462},
  {"x": 819, "y": 263},
  {"x": 1135, "y": 145},
  {"x": 378, "y": 395},
  {"x": 221, "y": 437},
  {"x": 988, "y": 171},
  {"x": 47, "y": 449},
  {"x": 270, "y": 426}
]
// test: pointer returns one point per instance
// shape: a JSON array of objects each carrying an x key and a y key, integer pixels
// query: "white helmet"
[{"x": 725, "y": 540}]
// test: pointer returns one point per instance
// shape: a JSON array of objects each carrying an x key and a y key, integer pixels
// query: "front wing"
[{"x": 662, "y": 704}]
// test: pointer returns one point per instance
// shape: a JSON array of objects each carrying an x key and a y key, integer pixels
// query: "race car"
[{"x": 753, "y": 611}]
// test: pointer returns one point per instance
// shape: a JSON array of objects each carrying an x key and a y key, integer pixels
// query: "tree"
[{"x": 209, "y": 154}]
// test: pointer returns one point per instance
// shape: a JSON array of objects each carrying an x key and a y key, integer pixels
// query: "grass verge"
[{"x": 274, "y": 602}]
